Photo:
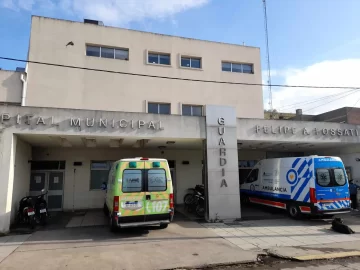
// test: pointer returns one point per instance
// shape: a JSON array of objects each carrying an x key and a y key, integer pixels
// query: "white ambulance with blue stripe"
[{"x": 313, "y": 185}]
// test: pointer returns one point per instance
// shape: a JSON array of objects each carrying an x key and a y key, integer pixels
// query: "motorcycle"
[
  {"x": 41, "y": 211},
  {"x": 200, "y": 206},
  {"x": 26, "y": 213},
  {"x": 190, "y": 197}
]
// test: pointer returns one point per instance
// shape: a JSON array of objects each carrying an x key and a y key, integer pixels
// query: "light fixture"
[{"x": 170, "y": 142}]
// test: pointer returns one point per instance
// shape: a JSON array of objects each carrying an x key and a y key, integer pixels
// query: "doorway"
[
  {"x": 53, "y": 183},
  {"x": 173, "y": 176}
]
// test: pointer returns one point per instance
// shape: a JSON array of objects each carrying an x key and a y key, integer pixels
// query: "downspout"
[{"x": 23, "y": 78}]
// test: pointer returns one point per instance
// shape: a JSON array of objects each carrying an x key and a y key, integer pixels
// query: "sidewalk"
[
  {"x": 264, "y": 234},
  {"x": 182, "y": 244}
]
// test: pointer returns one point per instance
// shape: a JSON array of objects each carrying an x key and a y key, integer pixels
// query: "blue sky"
[{"x": 312, "y": 42}]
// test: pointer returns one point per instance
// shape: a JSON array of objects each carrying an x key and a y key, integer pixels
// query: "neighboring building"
[
  {"x": 348, "y": 115},
  {"x": 277, "y": 115},
  {"x": 118, "y": 93}
]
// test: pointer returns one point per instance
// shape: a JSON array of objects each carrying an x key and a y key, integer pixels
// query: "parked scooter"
[
  {"x": 26, "y": 213},
  {"x": 41, "y": 211}
]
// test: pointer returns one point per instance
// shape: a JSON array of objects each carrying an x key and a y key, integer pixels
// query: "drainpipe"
[{"x": 23, "y": 78}]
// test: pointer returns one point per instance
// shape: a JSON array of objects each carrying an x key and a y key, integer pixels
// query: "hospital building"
[{"x": 92, "y": 94}]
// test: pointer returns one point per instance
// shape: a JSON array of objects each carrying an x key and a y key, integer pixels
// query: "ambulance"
[
  {"x": 312, "y": 185},
  {"x": 139, "y": 192}
]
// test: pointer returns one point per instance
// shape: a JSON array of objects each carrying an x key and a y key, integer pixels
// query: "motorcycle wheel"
[
  {"x": 200, "y": 210},
  {"x": 32, "y": 222},
  {"x": 188, "y": 199},
  {"x": 43, "y": 219}
]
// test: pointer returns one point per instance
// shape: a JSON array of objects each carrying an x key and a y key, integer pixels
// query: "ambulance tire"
[
  {"x": 294, "y": 211},
  {"x": 245, "y": 199},
  {"x": 113, "y": 227},
  {"x": 106, "y": 210}
]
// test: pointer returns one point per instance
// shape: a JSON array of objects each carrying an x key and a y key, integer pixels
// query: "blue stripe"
[
  {"x": 302, "y": 167},
  {"x": 306, "y": 181},
  {"x": 267, "y": 194},
  {"x": 296, "y": 162},
  {"x": 310, "y": 162},
  {"x": 307, "y": 197},
  {"x": 306, "y": 174}
]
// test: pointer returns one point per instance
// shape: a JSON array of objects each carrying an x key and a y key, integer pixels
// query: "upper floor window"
[
  {"x": 191, "y": 62},
  {"x": 159, "y": 58},
  {"x": 107, "y": 52},
  {"x": 159, "y": 108},
  {"x": 236, "y": 67},
  {"x": 192, "y": 110}
]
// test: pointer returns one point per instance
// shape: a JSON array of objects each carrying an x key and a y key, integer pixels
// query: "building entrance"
[{"x": 53, "y": 182}]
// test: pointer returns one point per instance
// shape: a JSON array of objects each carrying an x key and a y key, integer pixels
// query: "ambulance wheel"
[
  {"x": 294, "y": 211},
  {"x": 106, "y": 210},
  {"x": 113, "y": 227},
  {"x": 245, "y": 199},
  {"x": 163, "y": 226}
]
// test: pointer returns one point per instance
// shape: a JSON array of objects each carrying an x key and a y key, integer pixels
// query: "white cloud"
[
  {"x": 112, "y": 12},
  {"x": 343, "y": 73}
]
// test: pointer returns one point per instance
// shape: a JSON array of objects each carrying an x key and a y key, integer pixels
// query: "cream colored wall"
[
  {"x": 186, "y": 175},
  {"x": 73, "y": 88},
  {"x": 10, "y": 86},
  {"x": 22, "y": 168}
]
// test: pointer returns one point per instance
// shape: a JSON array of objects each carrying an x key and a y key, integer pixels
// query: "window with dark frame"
[
  {"x": 107, "y": 52},
  {"x": 159, "y": 108},
  {"x": 191, "y": 62},
  {"x": 159, "y": 58},
  {"x": 237, "y": 67},
  {"x": 192, "y": 110},
  {"x": 99, "y": 173}
]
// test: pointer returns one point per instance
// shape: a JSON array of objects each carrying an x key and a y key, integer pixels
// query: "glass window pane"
[
  {"x": 195, "y": 63},
  {"x": 156, "y": 180},
  {"x": 121, "y": 54},
  {"x": 97, "y": 177},
  {"x": 236, "y": 68},
  {"x": 107, "y": 53},
  {"x": 164, "y": 59},
  {"x": 132, "y": 181},
  {"x": 196, "y": 110},
  {"x": 93, "y": 51},
  {"x": 247, "y": 68},
  {"x": 99, "y": 165},
  {"x": 153, "y": 58},
  {"x": 186, "y": 110},
  {"x": 185, "y": 62},
  {"x": 153, "y": 108},
  {"x": 226, "y": 66},
  {"x": 323, "y": 177},
  {"x": 339, "y": 177},
  {"x": 164, "y": 108}
]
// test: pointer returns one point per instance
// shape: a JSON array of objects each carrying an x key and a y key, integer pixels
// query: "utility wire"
[
  {"x": 306, "y": 102},
  {"x": 328, "y": 102},
  {"x": 180, "y": 79}
]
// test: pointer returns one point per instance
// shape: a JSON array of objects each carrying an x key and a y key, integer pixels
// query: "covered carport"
[
  {"x": 262, "y": 139},
  {"x": 69, "y": 152}
]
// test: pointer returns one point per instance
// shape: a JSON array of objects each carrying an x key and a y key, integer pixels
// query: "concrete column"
[
  {"x": 222, "y": 183},
  {"x": 7, "y": 158}
]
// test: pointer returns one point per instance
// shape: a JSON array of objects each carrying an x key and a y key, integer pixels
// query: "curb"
[
  {"x": 209, "y": 266},
  {"x": 328, "y": 256},
  {"x": 325, "y": 256}
]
